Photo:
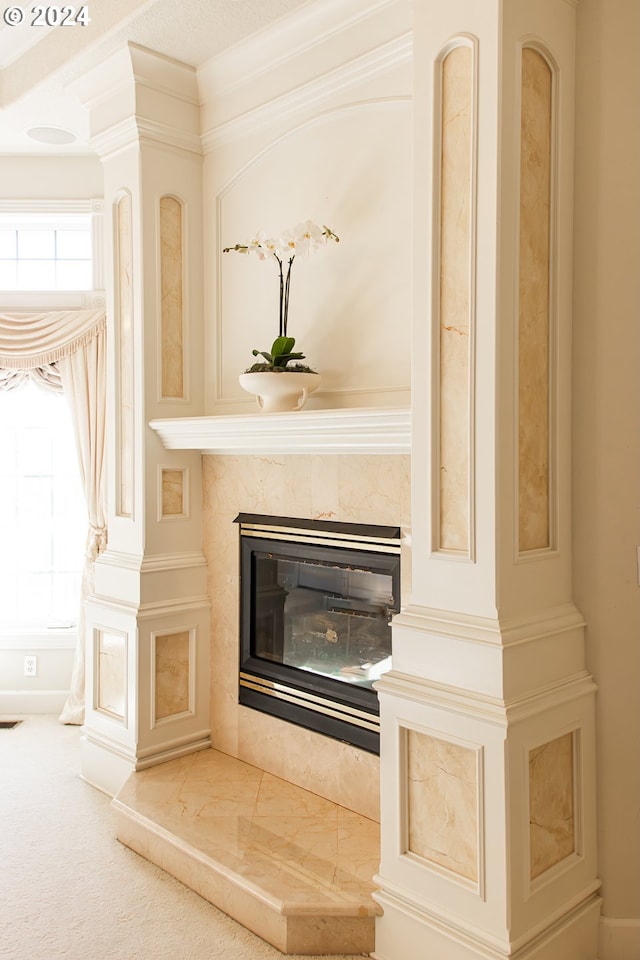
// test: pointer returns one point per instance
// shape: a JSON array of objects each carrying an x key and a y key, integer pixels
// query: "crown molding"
[
  {"x": 308, "y": 58},
  {"x": 317, "y": 91},
  {"x": 286, "y": 40}
]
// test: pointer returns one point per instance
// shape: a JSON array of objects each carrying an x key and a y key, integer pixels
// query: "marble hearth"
[
  {"x": 294, "y": 868},
  {"x": 278, "y": 825}
]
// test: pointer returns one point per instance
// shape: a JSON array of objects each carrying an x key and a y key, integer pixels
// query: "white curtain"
[{"x": 67, "y": 350}]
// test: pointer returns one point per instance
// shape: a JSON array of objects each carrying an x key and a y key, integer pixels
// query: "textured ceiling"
[{"x": 36, "y": 62}]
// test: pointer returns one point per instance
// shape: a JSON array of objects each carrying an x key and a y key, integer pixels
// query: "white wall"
[
  {"x": 47, "y": 691},
  {"x": 50, "y": 178},
  {"x": 606, "y": 428}
]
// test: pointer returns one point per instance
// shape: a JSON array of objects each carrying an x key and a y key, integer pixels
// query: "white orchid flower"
[
  {"x": 309, "y": 237},
  {"x": 303, "y": 239},
  {"x": 288, "y": 244},
  {"x": 256, "y": 245}
]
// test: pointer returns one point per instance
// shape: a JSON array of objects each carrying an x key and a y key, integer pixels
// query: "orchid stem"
[
  {"x": 283, "y": 323},
  {"x": 286, "y": 298}
]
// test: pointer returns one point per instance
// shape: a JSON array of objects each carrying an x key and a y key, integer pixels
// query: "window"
[
  {"x": 43, "y": 518},
  {"x": 46, "y": 252}
]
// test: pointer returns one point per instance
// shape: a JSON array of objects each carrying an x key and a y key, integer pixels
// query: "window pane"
[
  {"x": 8, "y": 275},
  {"x": 43, "y": 519},
  {"x": 8, "y": 488},
  {"x": 36, "y": 244},
  {"x": 8, "y": 597},
  {"x": 35, "y": 594},
  {"x": 8, "y": 244},
  {"x": 36, "y": 275},
  {"x": 33, "y": 449},
  {"x": 74, "y": 275},
  {"x": 73, "y": 245},
  {"x": 33, "y": 549}
]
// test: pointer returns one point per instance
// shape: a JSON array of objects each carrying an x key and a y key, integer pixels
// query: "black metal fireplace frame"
[{"x": 345, "y": 712}]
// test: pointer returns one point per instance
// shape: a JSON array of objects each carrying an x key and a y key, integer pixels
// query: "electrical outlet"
[{"x": 30, "y": 666}]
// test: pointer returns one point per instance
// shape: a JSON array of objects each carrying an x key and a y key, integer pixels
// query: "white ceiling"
[{"x": 36, "y": 62}]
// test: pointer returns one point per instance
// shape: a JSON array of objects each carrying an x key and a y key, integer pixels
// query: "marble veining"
[
  {"x": 534, "y": 289},
  {"x": 112, "y": 672},
  {"x": 455, "y": 297},
  {"x": 304, "y": 853},
  {"x": 172, "y": 492},
  {"x": 443, "y": 803},
  {"x": 349, "y": 488},
  {"x": 124, "y": 320},
  {"x": 171, "y": 283},
  {"x": 172, "y": 668},
  {"x": 551, "y": 793}
]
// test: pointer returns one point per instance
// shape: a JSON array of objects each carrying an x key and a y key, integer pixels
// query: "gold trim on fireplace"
[
  {"x": 299, "y": 535},
  {"x": 281, "y": 691}
]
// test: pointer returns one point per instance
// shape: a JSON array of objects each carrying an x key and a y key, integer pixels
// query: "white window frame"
[{"x": 41, "y": 300}]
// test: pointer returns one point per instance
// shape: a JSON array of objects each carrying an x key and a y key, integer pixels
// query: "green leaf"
[
  {"x": 282, "y": 345},
  {"x": 261, "y": 353},
  {"x": 286, "y": 358}
]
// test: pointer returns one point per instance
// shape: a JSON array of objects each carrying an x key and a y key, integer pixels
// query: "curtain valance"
[{"x": 30, "y": 340}]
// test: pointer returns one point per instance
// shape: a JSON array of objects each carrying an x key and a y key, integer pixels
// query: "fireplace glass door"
[
  {"x": 315, "y": 624},
  {"x": 324, "y": 617}
]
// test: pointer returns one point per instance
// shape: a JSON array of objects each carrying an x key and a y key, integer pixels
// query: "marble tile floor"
[{"x": 292, "y": 867}]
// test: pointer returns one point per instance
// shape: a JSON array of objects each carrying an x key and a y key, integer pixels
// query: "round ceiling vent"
[{"x": 51, "y": 135}]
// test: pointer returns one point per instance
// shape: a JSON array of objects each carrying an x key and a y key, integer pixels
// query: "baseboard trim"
[
  {"x": 33, "y": 701},
  {"x": 619, "y": 939}
]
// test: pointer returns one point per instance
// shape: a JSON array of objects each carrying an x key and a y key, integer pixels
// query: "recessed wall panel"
[
  {"x": 171, "y": 282},
  {"x": 172, "y": 673},
  {"x": 534, "y": 302},
  {"x": 173, "y": 493},
  {"x": 551, "y": 804},
  {"x": 442, "y": 795},
  {"x": 124, "y": 354},
  {"x": 356, "y": 293},
  {"x": 111, "y": 679},
  {"x": 455, "y": 297}
]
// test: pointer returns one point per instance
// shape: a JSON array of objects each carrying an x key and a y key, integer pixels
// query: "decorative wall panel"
[
  {"x": 111, "y": 680},
  {"x": 551, "y": 803},
  {"x": 356, "y": 292},
  {"x": 171, "y": 312},
  {"x": 455, "y": 287},
  {"x": 172, "y": 673},
  {"x": 534, "y": 337},
  {"x": 124, "y": 348},
  {"x": 442, "y": 795},
  {"x": 173, "y": 493}
]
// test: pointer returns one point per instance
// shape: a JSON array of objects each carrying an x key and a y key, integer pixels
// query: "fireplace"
[{"x": 316, "y": 600}]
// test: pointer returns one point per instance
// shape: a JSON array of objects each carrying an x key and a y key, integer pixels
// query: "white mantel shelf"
[{"x": 352, "y": 431}]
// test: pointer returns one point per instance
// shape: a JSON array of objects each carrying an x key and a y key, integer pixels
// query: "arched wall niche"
[
  {"x": 536, "y": 310},
  {"x": 454, "y": 320},
  {"x": 124, "y": 351},
  {"x": 350, "y": 308},
  {"x": 171, "y": 233}
]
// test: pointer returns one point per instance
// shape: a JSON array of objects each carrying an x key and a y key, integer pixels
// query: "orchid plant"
[{"x": 301, "y": 240}]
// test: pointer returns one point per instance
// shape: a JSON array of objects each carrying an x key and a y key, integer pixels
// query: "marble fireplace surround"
[{"x": 246, "y": 471}]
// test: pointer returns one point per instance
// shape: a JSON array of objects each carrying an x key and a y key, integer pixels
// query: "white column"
[
  {"x": 487, "y": 745},
  {"x": 148, "y": 661}
]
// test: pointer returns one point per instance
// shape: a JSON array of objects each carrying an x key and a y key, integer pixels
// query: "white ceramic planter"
[{"x": 280, "y": 392}]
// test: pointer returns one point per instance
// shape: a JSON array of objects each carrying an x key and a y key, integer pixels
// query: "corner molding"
[{"x": 353, "y": 431}]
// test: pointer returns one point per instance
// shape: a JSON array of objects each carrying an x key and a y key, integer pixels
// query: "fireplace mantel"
[{"x": 352, "y": 431}]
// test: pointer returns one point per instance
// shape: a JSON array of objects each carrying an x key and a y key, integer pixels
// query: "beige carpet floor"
[{"x": 69, "y": 890}]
